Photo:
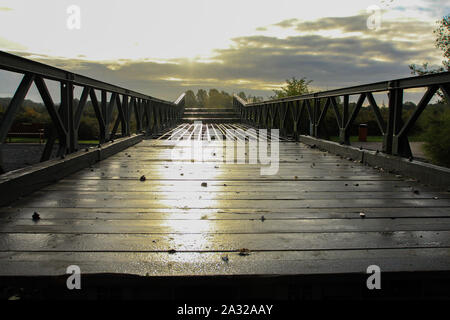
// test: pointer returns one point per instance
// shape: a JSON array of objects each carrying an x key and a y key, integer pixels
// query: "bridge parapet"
[
  {"x": 287, "y": 113},
  {"x": 151, "y": 114}
]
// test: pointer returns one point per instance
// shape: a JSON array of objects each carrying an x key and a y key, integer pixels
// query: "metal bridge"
[{"x": 141, "y": 207}]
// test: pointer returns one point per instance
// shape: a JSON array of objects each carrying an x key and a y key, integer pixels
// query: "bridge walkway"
[{"x": 319, "y": 214}]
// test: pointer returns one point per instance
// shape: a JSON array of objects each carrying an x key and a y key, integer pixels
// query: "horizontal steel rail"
[
  {"x": 286, "y": 113},
  {"x": 151, "y": 114}
]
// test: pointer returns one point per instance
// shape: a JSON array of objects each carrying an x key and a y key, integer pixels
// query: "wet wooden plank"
[
  {"x": 224, "y": 226},
  {"x": 218, "y": 214},
  {"x": 100, "y": 202},
  {"x": 235, "y": 186},
  {"x": 76, "y": 242},
  {"x": 257, "y": 263},
  {"x": 304, "y": 220},
  {"x": 236, "y": 195}
]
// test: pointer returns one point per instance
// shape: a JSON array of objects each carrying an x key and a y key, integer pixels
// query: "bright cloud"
[{"x": 163, "y": 47}]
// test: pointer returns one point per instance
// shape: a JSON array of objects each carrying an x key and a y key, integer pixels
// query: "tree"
[
  {"x": 437, "y": 139},
  {"x": 202, "y": 98},
  {"x": 227, "y": 100},
  {"x": 442, "y": 42},
  {"x": 436, "y": 132},
  {"x": 293, "y": 87},
  {"x": 214, "y": 98},
  {"x": 242, "y": 95},
  {"x": 251, "y": 98},
  {"x": 190, "y": 100}
]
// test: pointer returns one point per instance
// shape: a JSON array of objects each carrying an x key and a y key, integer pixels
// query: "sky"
[{"x": 165, "y": 47}]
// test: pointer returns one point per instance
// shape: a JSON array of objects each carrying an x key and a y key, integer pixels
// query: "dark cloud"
[
  {"x": 406, "y": 28},
  {"x": 286, "y": 23}
]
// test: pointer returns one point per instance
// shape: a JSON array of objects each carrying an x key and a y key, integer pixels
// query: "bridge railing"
[
  {"x": 151, "y": 114},
  {"x": 287, "y": 113}
]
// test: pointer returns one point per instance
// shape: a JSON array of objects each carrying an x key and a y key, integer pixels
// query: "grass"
[{"x": 36, "y": 140}]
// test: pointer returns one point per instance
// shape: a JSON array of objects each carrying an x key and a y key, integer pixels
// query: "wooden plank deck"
[{"x": 304, "y": 220}]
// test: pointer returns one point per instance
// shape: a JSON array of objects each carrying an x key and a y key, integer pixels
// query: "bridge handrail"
[
  {"x": 394, "y": 131},
  {"x": 18, "y": 64},
  {"x": 240, "y": 100},
  {"x": 180, "y": 98},
  {"x": 151, "y": 114}
]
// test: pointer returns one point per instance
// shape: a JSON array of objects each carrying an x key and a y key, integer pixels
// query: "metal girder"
[
  {"x": 14, "y": 105},
  {"x": 15, "y": 63},
  {"x": 66, "y": 120}
]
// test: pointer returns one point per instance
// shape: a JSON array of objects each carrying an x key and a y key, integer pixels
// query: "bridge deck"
[{"x": 304, "y": 220}]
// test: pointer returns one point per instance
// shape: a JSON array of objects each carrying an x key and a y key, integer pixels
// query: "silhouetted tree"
[
  {"x": 293, "y": 87},
  {"x": 202, "y": 98},
  {"x": 190, "y": 99},
  {"x": 442, "y": 41},
  {"x": 242, "y": 95}
]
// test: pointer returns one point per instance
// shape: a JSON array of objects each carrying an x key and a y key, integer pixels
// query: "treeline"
[
  {"x": 214, "y": 98},
  {"x": 366, "y": 116},
  {"x": 36, "y": 113}
]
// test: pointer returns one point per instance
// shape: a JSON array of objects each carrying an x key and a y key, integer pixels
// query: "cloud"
[
  {"x": 257, "y": 64},
  {"x": 286, "y": 23},
  {"x": 10, "y": 45}
]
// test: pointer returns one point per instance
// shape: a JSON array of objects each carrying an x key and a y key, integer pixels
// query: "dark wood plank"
[
  {"x": 304, "y": 220},
  {"x": 224, "y": 226},
  {"x": 258, "y": 263},
  {"x": 219, "y": 214},
  {"x": 221, "y": 242}
]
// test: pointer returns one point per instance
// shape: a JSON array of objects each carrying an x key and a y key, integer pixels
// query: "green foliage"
[
  {"x": 424, "y": 69},
  {"x": 437, "y": 138},
  {"x": 88, "y": 129},
  {"x": 442, "y": 40},
  {"x": 293, "y": 87},
  {"x": 29, "y": 112}
]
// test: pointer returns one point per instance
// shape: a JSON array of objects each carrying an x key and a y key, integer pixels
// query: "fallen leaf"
[
  {"x": 36, "y": 216},
  {"x": 244, "y": 252}
]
